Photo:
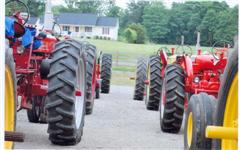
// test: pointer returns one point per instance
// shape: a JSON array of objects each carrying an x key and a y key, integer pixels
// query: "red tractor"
[
  {"x": 211, "y": 122},
  {"x": 51, "y": 77},
  {"x": 99, "y": 69},
  {"x": 188, "y": 76},
  {"x": 169, "y": 86},
  {"x": 105, "y": 72}
]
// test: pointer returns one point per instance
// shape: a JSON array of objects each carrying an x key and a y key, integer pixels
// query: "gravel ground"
[{"x": 117, "y": 122}]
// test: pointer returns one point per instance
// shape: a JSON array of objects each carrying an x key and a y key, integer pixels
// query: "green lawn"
[
  {"x": 125, "y": 56},
  {"x": 126, "y": 50}
]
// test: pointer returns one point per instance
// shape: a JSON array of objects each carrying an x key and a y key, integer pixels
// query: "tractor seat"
[{"x": 19, "y": 30}]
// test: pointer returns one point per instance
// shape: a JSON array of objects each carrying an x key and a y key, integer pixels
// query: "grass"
[
  {"x": 125, "y": 56},
  {"x": 124, "y": 68},
  {"x": 122, "y": 78}
]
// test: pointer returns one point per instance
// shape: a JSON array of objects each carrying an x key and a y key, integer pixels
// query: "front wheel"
[
  {"x": 199, "y": 114},
  {"x": 66, "y": 93}
]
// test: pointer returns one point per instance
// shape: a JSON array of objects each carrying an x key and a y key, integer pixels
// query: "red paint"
[
  {"x": 205, "y": 67},
  {"x": 78, "y": 93}
]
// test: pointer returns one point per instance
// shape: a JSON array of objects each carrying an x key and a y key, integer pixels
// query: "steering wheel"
[
  {"x": 220, "y": 48},
  {"x": 56, "y": 29},
  {"x": 18, "y": 10},
  {"x": 168, "y": 52},
  {"x": 184, "y": 49}
]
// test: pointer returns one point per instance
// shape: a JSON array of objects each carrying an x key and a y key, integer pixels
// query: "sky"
[{"x": 168, "y": 3}]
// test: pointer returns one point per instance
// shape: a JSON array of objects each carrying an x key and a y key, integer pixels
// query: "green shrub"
[
  {"x": 141, "y": 32},
  {"x": 136, "y": 33},
  {"x": 130, "y": 35}
]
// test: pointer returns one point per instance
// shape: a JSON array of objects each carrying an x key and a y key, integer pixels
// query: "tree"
[
  {"x": 83, "y": 6},
  {"x": 227, "y": 25},
  {"x": 114, "y": 11},
  {"x": 208, "y": 25},
  {"x": 133, "y": 13},
  {"x": 155, "y": 19},
  {"x": 89, "y": 6}
]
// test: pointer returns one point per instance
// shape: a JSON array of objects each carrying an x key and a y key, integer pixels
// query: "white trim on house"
[{"x": 97, "y": 31}]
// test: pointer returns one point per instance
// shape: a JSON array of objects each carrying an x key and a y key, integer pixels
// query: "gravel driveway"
[{"x": 117, "y": 122}]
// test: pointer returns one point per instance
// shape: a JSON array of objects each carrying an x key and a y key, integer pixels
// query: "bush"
[
  {"x": 141, "y": 35},
  {"x": 141, "y": 32},
  {"x": 96, "y": 37},
  {"x": 130, "y": 35}
]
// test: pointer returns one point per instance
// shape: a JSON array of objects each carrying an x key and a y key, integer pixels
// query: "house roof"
[
  {"x": 86, "y": 19},
  {"x": 106, "y": 21},
  {"x": 77, "y": 19}
]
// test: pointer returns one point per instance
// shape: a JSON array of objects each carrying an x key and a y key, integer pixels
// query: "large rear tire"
[
  {"x": 172, "y": 103},
  {"x": 10, "y": 95},
  {"x": 227, "y": 107},
  {"x": 106, "y": 72},
  {"x": 66, "y": 99},
  {"x": 153, "y": 89},
  {"x": 91, "y": 77},
  {"x": 141, "y": 76},
  {"x": 199, "y": 114}
]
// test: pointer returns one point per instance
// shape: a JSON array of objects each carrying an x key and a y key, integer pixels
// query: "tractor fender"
[{"x": 187, "y": 65}]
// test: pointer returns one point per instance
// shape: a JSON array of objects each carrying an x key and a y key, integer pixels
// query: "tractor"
[
  {"x": 189, "y": 75},
  {"x": 51, "y": 77},
  {"x": 169, "y": 86},
  {"x": 98, "y": 75},
  {"x": 212, "y": 122}
]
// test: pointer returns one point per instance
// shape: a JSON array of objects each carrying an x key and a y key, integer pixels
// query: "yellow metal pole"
[{"x": 218, "y": 132}]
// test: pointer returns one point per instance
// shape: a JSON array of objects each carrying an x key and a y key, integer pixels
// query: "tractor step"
[{"x": 14, "y": 136}]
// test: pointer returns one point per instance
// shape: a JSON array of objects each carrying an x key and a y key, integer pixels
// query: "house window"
[
  {"x": 76, "y": 29},
  {"x": 88, "y": 29},
  {"x": 66, "y": 28},
  {"x": 105, "y": 31}
]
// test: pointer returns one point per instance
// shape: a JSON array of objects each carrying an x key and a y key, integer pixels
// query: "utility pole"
[
  {"x": 48, "y": 16},
  {"x": 182, "y": 40},
  {"x": 198, "y": 41}
]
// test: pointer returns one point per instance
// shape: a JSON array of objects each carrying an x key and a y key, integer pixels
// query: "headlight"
[
  {"x": 196, "y": 79},
  {"x": 20, "y": 49}
]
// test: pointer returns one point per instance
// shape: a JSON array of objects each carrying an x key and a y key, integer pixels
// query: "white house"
[{"x": 88, "y": 25}]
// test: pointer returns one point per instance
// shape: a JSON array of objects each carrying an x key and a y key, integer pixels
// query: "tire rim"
[
  {"x": 9, "y": 105},
  {"x": 231, "y": 114},
  {"x": 189, "y": 129},
  {"x": 79, "y": 100}
]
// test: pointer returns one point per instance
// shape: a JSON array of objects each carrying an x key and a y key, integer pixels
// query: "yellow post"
[{"x": 218, "y": 132}]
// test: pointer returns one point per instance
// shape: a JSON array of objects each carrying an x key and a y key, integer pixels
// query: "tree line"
[{"x": 144, "y": 21}]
